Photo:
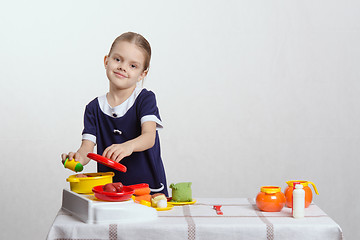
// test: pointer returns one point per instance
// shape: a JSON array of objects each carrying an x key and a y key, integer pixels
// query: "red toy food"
[
  {"x": 113, "y": 187},
  {"x": 109, "y": 188},
  {"x": 119, "y": 186}
]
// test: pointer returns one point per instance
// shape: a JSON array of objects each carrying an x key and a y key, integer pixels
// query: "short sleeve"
[
  {"x": 148, "y": 110},
  {"x": 89, "y": 132}
]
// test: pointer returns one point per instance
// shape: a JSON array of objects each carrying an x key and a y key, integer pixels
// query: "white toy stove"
[{"x": 92, "y": 210}]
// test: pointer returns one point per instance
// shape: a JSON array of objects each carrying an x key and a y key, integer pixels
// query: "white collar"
[{"x": 121, "y": 109}]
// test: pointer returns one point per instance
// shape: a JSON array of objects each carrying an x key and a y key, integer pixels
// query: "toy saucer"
[
  {"x": 169, "y": 206},
  {"x": 181, "y": 203},
  {"x": 113, "y": 196},
  {"x": 107, "y": 162}
]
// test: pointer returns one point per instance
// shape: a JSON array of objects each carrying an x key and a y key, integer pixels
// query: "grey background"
[{"x": 251, "y": 93}]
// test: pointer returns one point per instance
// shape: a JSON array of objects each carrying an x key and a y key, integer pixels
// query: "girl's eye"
[
  {"x": 117, "y": 59},
  {"x": 133, "y": 66}
]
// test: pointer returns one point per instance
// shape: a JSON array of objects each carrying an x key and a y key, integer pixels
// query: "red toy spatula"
[
  {"x": 107, "y": 162},
  {"x": 217, "y": 209}
]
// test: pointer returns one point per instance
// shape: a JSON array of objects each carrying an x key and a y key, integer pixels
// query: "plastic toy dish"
[
  {"x": 181, "y": 203},
  {"x": 107, "y": 162},
  {"x": 113, "y": 196},
  {"x": 169, "y": 206}
]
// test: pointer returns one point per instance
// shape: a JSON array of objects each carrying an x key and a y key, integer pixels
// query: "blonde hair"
[{"x": 139, "y": 41}]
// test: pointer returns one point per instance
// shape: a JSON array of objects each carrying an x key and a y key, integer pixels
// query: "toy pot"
[
  {"x": 270, "y": 199},
  {"x": 308, "y": 193},
  {"x": 84, "y": 185}
]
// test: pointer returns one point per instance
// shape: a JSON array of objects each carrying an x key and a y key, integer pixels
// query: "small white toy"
[{"x": 162, "y": 203}]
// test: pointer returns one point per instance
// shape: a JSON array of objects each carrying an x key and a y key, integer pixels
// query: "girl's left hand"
[{"x": 116, "y": 152}]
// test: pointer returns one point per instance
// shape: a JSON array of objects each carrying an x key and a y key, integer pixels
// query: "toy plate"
[
  {"x": 113, "y": 196},
  {"x": 181, "y": 203},
  {"x": 169, "y": 206},
  {"x": 107, "y": 162}
]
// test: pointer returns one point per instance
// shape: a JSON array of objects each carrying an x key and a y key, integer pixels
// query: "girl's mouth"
[{"x": 120, "y": 75}]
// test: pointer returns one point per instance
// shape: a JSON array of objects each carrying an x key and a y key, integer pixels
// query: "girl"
[{"x": 124, "y": 122}]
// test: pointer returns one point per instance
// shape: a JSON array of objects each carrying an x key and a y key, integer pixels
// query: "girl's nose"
[{"x": 121, "y": 67}]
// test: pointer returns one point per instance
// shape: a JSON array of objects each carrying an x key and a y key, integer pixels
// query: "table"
[{"x": 241, "y": 219}]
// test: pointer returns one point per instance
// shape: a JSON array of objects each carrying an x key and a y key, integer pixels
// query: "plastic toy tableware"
[
  {"x": 143, "y": 202},
  {"x": 85, "y": 184},
  {"x": 308, "y": 193},
  {"x": 125, "y": 195},
  {"x": 169, "y": 207},
  {"x": 270, "y": 199},
  {"x": 107, "y": 162},
  {"x": 181, "y": 203}
]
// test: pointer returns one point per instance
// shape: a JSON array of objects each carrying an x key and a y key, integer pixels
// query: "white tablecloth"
[{"x": 241, "y": 219}]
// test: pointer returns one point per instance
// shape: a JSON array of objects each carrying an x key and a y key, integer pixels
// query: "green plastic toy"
[{"x": 181, "y": 192}]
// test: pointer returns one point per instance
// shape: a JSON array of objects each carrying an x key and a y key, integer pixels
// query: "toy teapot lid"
[{"x": 304, "y": 183}]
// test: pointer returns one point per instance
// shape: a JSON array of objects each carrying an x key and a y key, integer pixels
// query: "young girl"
[{"x": 124, "y": 122}]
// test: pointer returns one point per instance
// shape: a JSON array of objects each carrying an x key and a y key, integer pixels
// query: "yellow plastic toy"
[
  {"x": 73, "y": 165},
  {"x": 146, "y": 203},
  {"x": 84, "y": 185}
]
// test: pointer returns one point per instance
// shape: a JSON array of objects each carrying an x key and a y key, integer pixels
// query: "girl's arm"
[
  {"x": 81, "y": 154},
  {"x": 145, "y": 141}
]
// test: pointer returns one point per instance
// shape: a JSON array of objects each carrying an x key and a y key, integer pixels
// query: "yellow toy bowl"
[{"x": 85, "y": 184}]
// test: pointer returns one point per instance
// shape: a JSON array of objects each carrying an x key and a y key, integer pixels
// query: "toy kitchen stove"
[
  {"x": 87, "y": 201},
  {"x": 91, "y": 210}
]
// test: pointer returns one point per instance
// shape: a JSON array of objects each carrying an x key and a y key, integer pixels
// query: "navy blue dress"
[{"x": 105, "y": 126}]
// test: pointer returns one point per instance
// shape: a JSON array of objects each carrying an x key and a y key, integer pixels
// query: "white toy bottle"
[{"x": 298, "y": 201}]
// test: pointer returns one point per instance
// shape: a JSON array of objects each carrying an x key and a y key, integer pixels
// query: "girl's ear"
[
  {"x": 143, "y": 75},
  {"x": 106, "y": 60}
]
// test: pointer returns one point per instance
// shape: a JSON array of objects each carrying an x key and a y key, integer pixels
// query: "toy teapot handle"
[{"x": 313, "y": 184}]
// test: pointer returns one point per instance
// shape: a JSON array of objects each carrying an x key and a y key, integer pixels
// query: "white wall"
[{"x": 252, "y": 93}]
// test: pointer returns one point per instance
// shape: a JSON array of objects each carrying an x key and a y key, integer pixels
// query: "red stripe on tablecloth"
[
  {"x": 78, "y": 239},
  {"x": 232, "y": 204},
  {"x": 113, "y": 232},
  {"x": 269, "y": 225},
  {"x": 190, "y": 222},
  {"x": 222, "y": 216}
]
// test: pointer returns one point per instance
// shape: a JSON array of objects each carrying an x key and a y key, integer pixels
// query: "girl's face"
[{"x": 125, "y": 66}]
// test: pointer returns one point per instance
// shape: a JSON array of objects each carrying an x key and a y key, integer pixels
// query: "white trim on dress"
[
  {"x": 90, "y": 137},
  {"x": 121, "y": 109},
  {"x": 152, "y": 118}
]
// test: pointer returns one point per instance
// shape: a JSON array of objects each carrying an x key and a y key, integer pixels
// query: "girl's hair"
[{"x": 139, "y": 41}]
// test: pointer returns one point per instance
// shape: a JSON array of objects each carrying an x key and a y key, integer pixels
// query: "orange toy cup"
[
  {"x": 308, "y": 193},
  {"x": 270, "y": 199}
]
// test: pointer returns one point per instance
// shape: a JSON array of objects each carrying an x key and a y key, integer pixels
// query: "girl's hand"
[
  {"x": 81, "y": 154},
  {"x": 72, "y": 155},
  {"x": 116, "y": 152},
  {"x": 145, "y": 141}
]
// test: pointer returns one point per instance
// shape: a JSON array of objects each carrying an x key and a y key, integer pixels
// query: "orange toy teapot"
[
  {"x": 308, "y": 193},
  {"x": 270, "y": 199}
]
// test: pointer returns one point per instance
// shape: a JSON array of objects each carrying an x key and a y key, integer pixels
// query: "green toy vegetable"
[{"x": 181, "y": 192}]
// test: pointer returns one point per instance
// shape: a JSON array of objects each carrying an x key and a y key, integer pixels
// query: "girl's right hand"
[
  {"x": 72, "y": 155},
  {"x": 81, "y": 154}
]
